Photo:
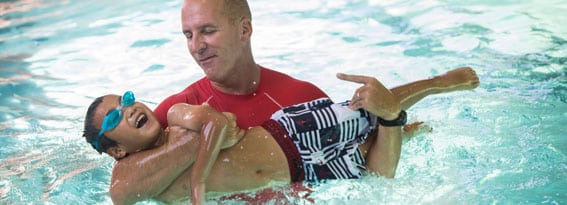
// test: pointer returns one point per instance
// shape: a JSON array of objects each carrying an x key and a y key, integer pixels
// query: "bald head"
[{"x": 235, "y": 10}]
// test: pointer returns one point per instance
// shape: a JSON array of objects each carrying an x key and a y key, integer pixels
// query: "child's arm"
[{"x": 214, "y": 128}]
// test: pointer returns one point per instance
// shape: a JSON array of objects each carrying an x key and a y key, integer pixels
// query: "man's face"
[
  {"x": 138, "y": 128},
  {"x": 213, "y": 40}
]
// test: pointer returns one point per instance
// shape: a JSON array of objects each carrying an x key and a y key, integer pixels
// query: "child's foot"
[
  {"x": 414, "y": 128},
  {"x": 463, "y": 78}
]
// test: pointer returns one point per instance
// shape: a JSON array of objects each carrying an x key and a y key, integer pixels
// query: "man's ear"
[
  {"x": 246, "y": 26},
  {"x": 116, "y": 152}
]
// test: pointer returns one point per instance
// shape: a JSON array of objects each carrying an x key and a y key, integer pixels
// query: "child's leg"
[
  {"x": 464, "y": 78},
  {"x": 459, "y": 79}
]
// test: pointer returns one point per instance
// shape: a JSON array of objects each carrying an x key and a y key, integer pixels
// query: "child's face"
[{"x": 138, "y": 128}]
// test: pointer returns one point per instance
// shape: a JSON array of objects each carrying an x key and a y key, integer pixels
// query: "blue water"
[{"x": 503, "y": 143}]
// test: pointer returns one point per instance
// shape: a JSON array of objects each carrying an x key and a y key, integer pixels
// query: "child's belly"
[{"x": 252, "y": 163}]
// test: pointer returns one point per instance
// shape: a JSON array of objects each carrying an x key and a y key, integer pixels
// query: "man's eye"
[
  {"x": 188, "y": 35},
  {"x": 209, "y": 31}
]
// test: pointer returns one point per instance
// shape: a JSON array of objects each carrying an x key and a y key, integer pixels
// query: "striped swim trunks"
[{"x": 327, "y": 136}]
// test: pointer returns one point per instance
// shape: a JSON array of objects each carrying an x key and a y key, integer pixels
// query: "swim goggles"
[{"x": 113, "y": 118}]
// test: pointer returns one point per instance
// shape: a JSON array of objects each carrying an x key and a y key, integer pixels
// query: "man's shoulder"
[
  {"x": 271, "y": 74},
  {"x": 279, "y": 82}
]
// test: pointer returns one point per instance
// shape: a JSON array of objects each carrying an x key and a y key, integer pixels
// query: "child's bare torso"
[{"x": 254, "y": 162}]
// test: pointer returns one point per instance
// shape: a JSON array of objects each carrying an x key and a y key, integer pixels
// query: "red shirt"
[{"x": 276, "y": 90}]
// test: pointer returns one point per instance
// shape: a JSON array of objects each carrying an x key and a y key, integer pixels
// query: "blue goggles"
[{"x": 113, "y": 118}]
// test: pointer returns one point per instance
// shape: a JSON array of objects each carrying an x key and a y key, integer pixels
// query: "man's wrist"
[{"x": 399, "y": 121}]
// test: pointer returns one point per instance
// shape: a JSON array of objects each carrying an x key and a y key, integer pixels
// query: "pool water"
[{"x": 503, "y": 143}]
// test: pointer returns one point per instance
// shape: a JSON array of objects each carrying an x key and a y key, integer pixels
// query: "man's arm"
[{"x": 384, "y": 154}]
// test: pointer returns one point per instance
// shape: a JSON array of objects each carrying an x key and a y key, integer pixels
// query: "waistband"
[{"x": 294, "y": 161}]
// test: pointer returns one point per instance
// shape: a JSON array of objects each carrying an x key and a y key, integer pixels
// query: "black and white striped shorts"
[{"x": 327, "y": 136}]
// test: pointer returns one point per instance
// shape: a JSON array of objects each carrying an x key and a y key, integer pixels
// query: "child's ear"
[{"x": 116, "y": 152}]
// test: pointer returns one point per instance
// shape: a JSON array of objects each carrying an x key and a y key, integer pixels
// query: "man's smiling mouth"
[{"x": 206, "y": 58}]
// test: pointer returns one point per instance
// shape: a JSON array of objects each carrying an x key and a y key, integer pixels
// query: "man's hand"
[{"x": 373, "y": 97}]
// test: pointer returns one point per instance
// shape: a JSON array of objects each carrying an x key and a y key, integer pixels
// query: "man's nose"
[{"x": 197, "y": 45}]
